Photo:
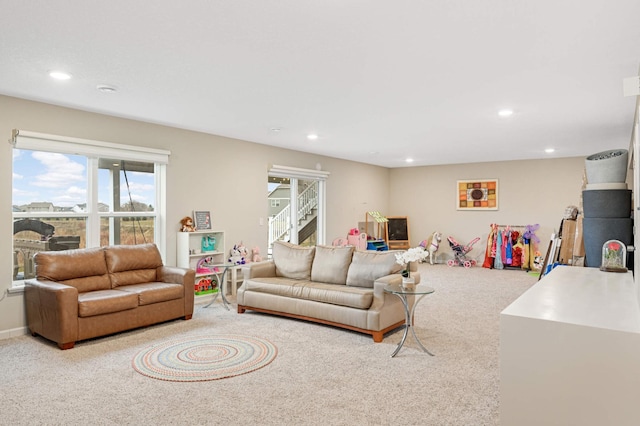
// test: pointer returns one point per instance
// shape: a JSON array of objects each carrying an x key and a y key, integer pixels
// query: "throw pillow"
[
  {"x": 368, "y": 266},
  {"x": 331, "y": 264},
  {"x": 292, "y": 261}
]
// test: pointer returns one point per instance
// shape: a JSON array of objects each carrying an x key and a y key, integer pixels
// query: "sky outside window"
[{"x": 62, "y": 180}]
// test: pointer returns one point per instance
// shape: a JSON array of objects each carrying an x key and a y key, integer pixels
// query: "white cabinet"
[
  {"x": 201, "y": 251},
  {"x": 569, "y": 351}
]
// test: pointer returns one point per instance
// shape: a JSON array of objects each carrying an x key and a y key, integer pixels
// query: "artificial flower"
[
  {"x": 416, "y": 254},
  {"x": 612, "y": 254}
]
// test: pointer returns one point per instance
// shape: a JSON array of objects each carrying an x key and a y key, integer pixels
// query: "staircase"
[
  {"x": 308, "y": 230},
  {"x": 307, "y": 217}
]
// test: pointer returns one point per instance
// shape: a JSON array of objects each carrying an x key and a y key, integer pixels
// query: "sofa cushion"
[
  {"x": 132, "y": 264},
  {"x": 105, "y": 302},
  {"x": 149, "y": 293},
  {"x": 292, "y": 261},
  {"x": 368, "y": 266},
  {"x": 84, "y": 269},
  {"x": 331, "y": 264},
  {"x": 353, "y": 297}
]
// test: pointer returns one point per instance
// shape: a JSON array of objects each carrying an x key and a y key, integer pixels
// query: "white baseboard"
[{"x": 15, "y": 332}]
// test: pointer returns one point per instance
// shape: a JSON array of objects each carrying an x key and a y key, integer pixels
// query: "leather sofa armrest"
[
  {"x": 183, "y": 276},
  {"x": 259, "y": 269},
  {"x": 52, "y": 310},
  {"x": 175, "y": 275},
  {"x": 379, "y": 295},
  {"x": 264, "y": 269},
  {"x": 396, "y": 279}
]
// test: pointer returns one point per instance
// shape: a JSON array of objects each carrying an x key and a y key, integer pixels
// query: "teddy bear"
[{"x": 186, "y": 224}]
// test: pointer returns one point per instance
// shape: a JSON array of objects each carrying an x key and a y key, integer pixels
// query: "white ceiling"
[{"x": 378, "y": 81}]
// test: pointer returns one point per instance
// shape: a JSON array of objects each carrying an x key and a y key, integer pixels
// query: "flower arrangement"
[{"x": 416, "y": 254}]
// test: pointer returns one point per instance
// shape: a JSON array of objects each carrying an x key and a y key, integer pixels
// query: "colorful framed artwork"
[{"x": 477, "y": 194}]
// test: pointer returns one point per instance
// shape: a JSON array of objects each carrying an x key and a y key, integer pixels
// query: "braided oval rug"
[{"x": 201, "y": 358}]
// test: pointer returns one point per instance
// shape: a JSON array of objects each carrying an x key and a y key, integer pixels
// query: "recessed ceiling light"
[
  {"x": 409, "y": 160},
  {"x": 275, "y": 129},
  {"x": 312, "y": 136},
  {"x": 106, "y": 89},
  {"x": 505, "y": 112},
  {"x": 549, "y": 150},
  {"x": 59, "y": 75}
]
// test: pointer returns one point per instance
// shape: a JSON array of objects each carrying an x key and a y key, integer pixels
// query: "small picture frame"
[{"x": 202, "y": 219}]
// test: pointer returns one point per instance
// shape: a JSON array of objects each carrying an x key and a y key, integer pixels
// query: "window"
[
  {"x": 275, "y": 203},
  {"x": 73, "y": 193}
]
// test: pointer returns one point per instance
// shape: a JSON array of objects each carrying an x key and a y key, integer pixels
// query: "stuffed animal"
[
  {"x": 339, "y": 242},
  {"x": 186, "y": 224},
  {"x": 236, "y": 257},
  {"x": 255, "y": 255},
  {"x": 244, "y": 253}
]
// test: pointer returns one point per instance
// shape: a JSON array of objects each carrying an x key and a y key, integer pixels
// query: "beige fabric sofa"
[
  {"x": 338, "y": 286},
  {"x": 85, "y": 293}
]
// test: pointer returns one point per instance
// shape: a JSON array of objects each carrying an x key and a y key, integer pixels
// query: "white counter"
[{"x": 570, "y": 351}]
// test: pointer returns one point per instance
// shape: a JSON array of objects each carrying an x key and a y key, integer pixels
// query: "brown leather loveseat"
[{"x": 85, "y": 293}]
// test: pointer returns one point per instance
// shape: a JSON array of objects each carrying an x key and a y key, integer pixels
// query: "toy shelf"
[{"x": 189, "y": 252}]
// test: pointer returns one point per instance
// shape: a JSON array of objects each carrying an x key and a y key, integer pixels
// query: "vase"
[
  {"x": 408, "y": 282},
  {"x": 607, "y": 166},
  {"x": 607, "y": 203}
]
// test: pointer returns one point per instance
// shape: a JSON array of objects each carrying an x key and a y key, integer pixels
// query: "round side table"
[{"x": 403, "y": 293}]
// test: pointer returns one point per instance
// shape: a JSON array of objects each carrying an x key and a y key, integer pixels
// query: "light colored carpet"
[{"x": 321, "y": 376}]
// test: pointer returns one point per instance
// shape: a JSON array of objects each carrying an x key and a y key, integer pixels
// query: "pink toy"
[
  {"x": 359, "y": 240},
  {"x": 339, "y": 242},
  {"x": 206, "y": 266},
  {"x": 460, "y": 251},
  {"x": 255, "y": 255}
]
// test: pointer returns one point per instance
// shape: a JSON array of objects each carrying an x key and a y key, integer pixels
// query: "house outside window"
[{"x": 83, "y": 194}]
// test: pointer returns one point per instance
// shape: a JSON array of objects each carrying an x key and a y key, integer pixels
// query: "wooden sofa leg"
[
  {"x": 188, "y": 317},
  {"x": 65, "y": 346},
  {"x": 241, "y": 310},
  {"x": 378, "y": 336}
]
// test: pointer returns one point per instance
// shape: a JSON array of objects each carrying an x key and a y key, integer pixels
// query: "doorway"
[{"x": 296, "y": 206}]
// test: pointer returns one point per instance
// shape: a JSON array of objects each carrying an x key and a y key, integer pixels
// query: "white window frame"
[
  {"x": 293, "y": 174},
  {"x": 93, "y": 150}
]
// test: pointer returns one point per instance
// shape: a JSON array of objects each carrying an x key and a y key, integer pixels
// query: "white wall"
[
  {"x": 228, "y": 177},
  {"x": 530, "y": 192}
]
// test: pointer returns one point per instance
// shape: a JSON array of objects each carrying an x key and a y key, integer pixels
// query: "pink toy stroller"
[{"x": 460, "y": 253}]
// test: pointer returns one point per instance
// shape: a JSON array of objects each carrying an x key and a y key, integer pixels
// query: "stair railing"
[
  {"x": 307, "y": 201},
  {"x": 279, "y": 225}
]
